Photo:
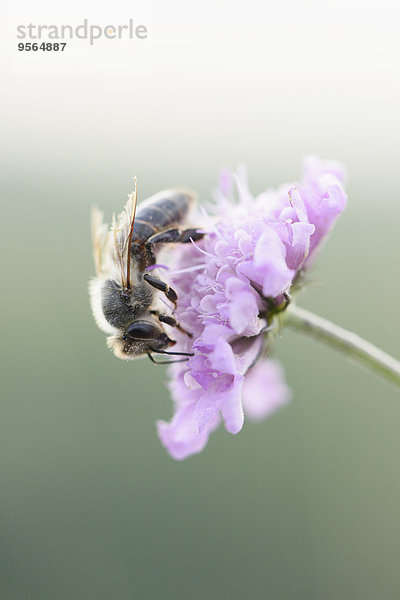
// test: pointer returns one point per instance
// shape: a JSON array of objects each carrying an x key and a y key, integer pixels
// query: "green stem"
[{"x": 345, "y": 341}]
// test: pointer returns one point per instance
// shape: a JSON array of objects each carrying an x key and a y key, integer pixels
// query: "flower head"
[{"x": 231, "y": 285}]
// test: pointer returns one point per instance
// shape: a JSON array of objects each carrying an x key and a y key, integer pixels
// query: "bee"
[{"x": 123, "y": 295}]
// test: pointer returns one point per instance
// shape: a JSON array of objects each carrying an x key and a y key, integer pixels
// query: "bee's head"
[{"x": 140, "y": 337}]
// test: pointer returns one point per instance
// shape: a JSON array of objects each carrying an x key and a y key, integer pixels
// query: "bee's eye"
[{"x": 142, "y": 331}]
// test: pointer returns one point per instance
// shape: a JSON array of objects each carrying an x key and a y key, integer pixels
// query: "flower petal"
[
  {"x": 264, "y": 390},
  {"x": 180, "y": 437},
  {"x": 231, "y": 407}
]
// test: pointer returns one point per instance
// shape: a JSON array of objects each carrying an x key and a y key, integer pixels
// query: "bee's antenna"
[
  {"x": 166, "y": 362},
  {"x": 128, "y": 259},
  {"x": 173, "y": 353}
]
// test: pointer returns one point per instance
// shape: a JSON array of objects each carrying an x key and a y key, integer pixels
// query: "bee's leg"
[
  {"x": 170, "y": 320},
  {"x": 147, "y": 252},
  {"x": 162, "y": 286},
  {"x": 175, "y": 236}
]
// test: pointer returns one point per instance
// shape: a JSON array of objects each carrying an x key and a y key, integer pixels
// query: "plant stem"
[{"x": 347, "y": 342}]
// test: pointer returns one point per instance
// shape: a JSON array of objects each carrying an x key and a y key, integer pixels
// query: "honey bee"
[{"x": 123, "y": 294}]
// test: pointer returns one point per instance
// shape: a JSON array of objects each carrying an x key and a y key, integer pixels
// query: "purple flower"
[{"x": 231, "y": 286}]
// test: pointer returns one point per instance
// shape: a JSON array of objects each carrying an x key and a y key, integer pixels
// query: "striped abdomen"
[{"x": 160, "y": 212}]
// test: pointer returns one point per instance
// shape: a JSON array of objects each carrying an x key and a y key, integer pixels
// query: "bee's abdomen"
[{"x": 162, "y": 211}]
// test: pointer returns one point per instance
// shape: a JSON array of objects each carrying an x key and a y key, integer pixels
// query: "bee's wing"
[
  {"x": 122, "y": 228},
  {"x": 99, "y": 238}
]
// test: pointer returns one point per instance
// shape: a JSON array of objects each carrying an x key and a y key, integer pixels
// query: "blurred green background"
[{"x": 304, "y": 505}]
